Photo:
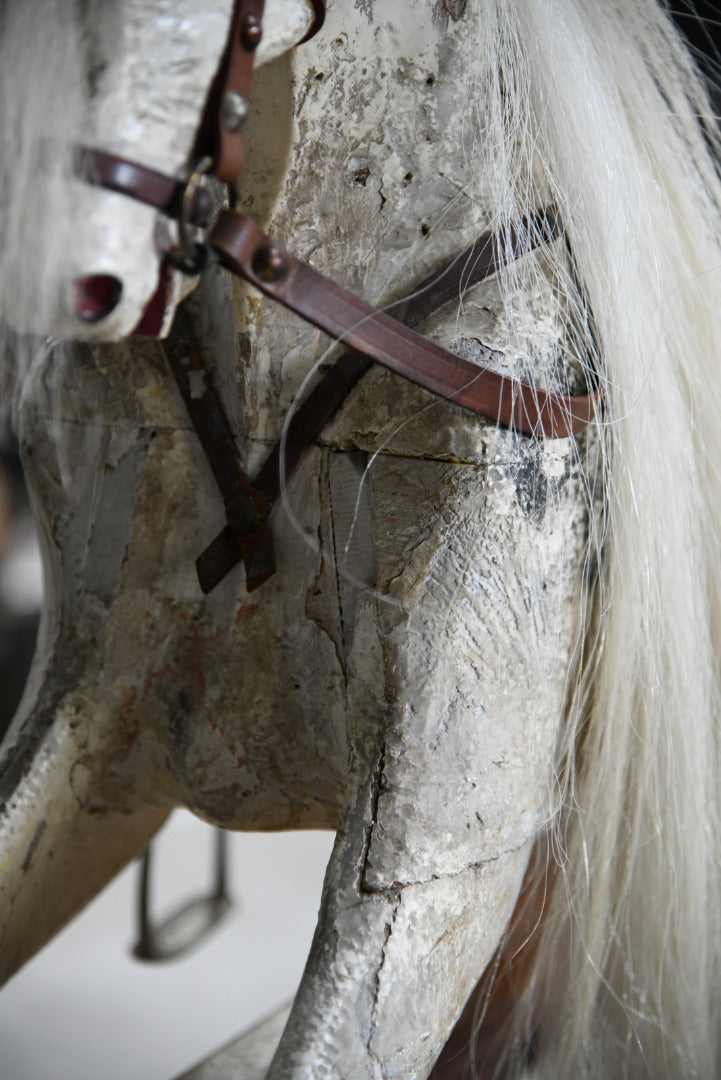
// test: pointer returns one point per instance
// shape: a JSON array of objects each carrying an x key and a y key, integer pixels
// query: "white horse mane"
[
  {"x": 615, "y": 107},
  {"x": 597, "y": 108}
]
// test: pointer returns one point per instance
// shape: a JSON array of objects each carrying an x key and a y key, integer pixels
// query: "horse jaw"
[{"x": 285, "y": 24}]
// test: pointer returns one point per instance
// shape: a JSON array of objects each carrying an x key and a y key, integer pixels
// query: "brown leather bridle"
[{"x": 241, "y": 246}]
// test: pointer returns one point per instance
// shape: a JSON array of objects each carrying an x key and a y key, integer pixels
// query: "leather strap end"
[{"x": 259, "y": 558}]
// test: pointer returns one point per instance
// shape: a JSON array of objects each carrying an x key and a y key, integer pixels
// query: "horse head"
[{"x": 87, "y": 263}]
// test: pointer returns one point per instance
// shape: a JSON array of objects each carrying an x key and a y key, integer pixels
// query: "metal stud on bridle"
[{"x": 234, "y": 111}]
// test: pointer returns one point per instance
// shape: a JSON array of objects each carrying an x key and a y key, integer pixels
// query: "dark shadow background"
[{"x": 701, "y": 24}]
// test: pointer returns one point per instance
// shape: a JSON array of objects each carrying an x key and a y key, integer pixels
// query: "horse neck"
[{"x": 371, "y": 180}]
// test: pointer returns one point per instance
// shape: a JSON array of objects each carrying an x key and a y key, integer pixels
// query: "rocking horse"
[{"x": 421, "y": 545}]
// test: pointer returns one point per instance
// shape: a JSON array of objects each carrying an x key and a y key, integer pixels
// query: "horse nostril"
[{"x": 96, "y": 296}]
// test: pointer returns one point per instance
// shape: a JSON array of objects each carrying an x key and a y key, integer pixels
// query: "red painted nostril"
[{"x": 96, "y": 296}]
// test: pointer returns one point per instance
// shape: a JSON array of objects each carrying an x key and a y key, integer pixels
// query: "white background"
[{"x": 85, "y": 1009}]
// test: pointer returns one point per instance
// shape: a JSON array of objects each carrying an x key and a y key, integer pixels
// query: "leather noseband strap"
[{"x": 101, "y": 169}]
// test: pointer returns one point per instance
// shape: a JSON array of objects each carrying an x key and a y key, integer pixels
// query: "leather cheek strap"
[
  {"x": 246, "y": 251},
  {"x": 221, "y": 135}
]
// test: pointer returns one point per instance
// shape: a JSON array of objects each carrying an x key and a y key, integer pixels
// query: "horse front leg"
[
  {"x": 457, "y": 681},
  {"x": 77, "y": 798}
]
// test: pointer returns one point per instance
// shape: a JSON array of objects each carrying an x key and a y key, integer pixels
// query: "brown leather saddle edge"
[{"x": 488, "y": 1033}]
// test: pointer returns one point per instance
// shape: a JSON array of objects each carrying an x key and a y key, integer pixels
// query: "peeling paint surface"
[{"x": 403, "y": 676}]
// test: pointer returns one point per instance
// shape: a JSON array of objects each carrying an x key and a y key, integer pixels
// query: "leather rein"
[{"x": 370, "y": 336}]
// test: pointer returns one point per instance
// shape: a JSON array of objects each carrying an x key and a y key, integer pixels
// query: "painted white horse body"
[{"x": 416, "y": 674}]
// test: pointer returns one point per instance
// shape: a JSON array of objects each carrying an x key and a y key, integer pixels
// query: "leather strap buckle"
[{"x": 194, "y": 214}]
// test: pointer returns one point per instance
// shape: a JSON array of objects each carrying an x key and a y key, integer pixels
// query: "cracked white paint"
[{"x": 404, "y": 673}]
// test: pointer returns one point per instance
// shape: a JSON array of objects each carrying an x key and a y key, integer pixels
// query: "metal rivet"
[
  {"x": 268, "y": 263},
  {"x": 251, "y": 31},
  {"x": 191, "y": 260},
  {"x": 235, "y": 110}
]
